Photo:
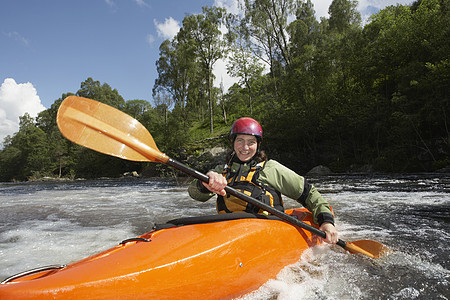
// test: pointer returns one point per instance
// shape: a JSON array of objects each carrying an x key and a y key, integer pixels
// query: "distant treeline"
[{"x": 329, "y": 91}]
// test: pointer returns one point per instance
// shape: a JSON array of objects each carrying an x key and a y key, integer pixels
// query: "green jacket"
[{"x": 282, "y": 179}]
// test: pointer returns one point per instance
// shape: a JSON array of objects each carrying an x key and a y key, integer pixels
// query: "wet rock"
[
  {"x": 363, "y": 169},
  {"x": 444, "y": 170},
  {"x": 131, "y": 174},
  {"x": 208, "y": 159},
  {"x": 319, "y": 170}
]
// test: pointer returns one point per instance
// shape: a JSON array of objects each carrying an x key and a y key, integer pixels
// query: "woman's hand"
[
  {"x": 216, "y": 184},
  {"x": 331, "y": 232}
]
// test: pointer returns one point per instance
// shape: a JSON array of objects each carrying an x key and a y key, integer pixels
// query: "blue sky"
[
  {"x": 49, "y": 47},
  {"x": 56, "y": 45}
]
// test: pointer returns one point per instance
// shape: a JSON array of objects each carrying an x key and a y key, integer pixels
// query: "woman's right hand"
[{"x": 216, "y": 184}]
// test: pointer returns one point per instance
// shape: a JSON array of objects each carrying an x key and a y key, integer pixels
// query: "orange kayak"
[{"x": 211, "y": 257}]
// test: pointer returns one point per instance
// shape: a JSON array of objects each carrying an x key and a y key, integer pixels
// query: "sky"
[{"x": 49, "y": 47}]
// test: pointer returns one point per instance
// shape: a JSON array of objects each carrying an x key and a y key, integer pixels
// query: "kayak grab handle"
[
  {"x": 33, "y": 271},
  {"x": 134, "y": 240}
]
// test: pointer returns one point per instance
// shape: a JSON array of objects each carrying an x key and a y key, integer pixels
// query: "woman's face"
[{"x": 245, "y": 146}]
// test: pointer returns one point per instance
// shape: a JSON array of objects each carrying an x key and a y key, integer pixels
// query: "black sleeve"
[
  {"x": 304, "y": 196},
  {"x": 202, "y": 188},
  {"x": 325, "y": 218}
]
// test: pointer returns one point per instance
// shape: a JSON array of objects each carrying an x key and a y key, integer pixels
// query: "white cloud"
[
  {"x": 15, "y": 101},
  {"x": 142, "y": 3},
  {"x": 321, "y": 8},
  {"x": 365, "y": 7},
  {"x": 150, "y": 39},
  {"x": 220, "y": 71},
  {"x": 369, "y": 7},
  {"x": 232, "y": 6},
  {"x": 110, "y": 3},
  {"x": 168, "y": 29},
  {"x": 18, "y": 37}
]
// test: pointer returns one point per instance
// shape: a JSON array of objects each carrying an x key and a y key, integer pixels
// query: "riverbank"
[{"x": 204, "y": 159}]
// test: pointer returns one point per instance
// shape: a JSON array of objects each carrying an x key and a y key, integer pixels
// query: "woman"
[{"x": 250, "y": 171}]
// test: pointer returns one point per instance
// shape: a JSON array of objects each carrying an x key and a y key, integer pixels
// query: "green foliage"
[
  {"x": 101, "y": 92},
  {"x": 343, "y": 15},
  {"x": 26, "y": 152},
  {"x": 10, "y": 158}
]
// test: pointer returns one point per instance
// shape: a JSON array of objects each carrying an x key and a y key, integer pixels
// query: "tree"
[
  {"x": 101, "y": 92},
  {"x": 264, "y": 25},
  {"x": 407, "y": 64},
  {"x": 244, "y": 65},
  {"x": 26, "y": 154},
  {"x": 176, "y": 68},
  {"x": 137, "y": 108},
  {"x": 204, "y": 32},
  {"x": 343, "y": 14},
  {"x": 59, "y": 156},
  {"x": 10, "y": 157},
  {"x": 222, "y": 103},
  {"x": 304, "y": 31},
  {"x": 162, "y": 102}
]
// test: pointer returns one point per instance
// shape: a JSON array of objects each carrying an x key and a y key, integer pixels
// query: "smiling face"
[{"x": 245, "y": 146}]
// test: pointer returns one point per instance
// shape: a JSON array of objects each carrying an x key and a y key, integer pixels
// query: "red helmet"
[{"x": 246, "y": 126}]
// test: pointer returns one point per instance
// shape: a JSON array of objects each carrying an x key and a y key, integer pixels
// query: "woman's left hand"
[{"x": 331, "y": 232}]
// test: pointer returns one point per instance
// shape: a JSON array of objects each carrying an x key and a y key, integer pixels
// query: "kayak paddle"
[{"x": 108, "y": 130}]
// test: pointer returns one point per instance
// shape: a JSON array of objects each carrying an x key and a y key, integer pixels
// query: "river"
[{"x": 49, "y": 223}]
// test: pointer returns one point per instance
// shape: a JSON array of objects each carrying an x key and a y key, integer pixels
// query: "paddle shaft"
[
  {"x": 290, "y": 219},
  {"x": 105, "y": 129}
]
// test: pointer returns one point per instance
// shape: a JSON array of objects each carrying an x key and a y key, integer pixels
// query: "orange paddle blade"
[
  {"x": 105, "y": 129},
  {"x": 370, "y": 248}
]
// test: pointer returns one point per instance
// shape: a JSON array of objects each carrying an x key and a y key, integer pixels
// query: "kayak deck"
[{"x": 212, "y": 257}]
